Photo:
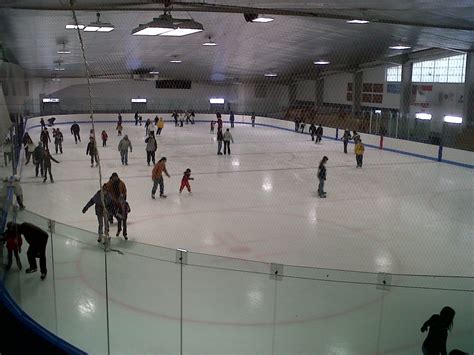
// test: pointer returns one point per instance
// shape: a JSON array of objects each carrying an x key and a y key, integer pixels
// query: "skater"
[
  {"x": 47, "y": 165},
  {"x": 186, "y": 114},
  {"x": 231, "y": 119},
  {"x": 7, "y": 150},
  {"x": 345, "y": 139},
  {"x": 38, "y": 157},
  {"x": 219, "y": 121},
  {"x": 213, "y": 123},
  {"x": 322, "y": 177},
  {"x": 302, "y": 125},
  {"x": 18, "y": 191},
  {"x": 156, "y": 120},
  {"x": 104, "y": 136},
  {"x": 181, "y": 120},
  {"x": 185, "y": 181},
  {"x": 29, "y": 149},
  {"x": 102, "y": 212},
  {"x": 252, "y": 118},
  {"x": 37, "y": 240},
  {"x": 160, "y": 126},
  {"x": 147, "y": 127},
  {"x": 157, "y": 177},
  {"x": 175, "y": 117},
  {"x": 220, "y": 139},
  {"x": 51, "y": 121},
  {"x": 92, "y": 151},
  {"x": 119, "y": 129},
  {"x": 356, "y": 137},
  {"x": 123, "y": 209},
  {"x": 192, "y": 118},
  {"x": 227, "y": 139},
  {"x": 58, "y": 141},
  {"x": 438, "y": 325},
  {"x": 319, "y": 134},
  {"x": 297, "y": 124},
  {"x": 119, "y": 119},
  {"x": 45, "y": 138},
  {"x": 75, "y": 129},
  {"x": 123, "y": 147},
  {"x": 43, "y": 125},
  {"x": 13, "y": 243},
  {"x": 140, "y": 120},
  {"x": 312, "y": 131},
  {"x": 359, "y": 152},
  {"x": 151, "y": 148},
  {"x": 115, "y": 187},
  {"x": 136, "y": 118}
]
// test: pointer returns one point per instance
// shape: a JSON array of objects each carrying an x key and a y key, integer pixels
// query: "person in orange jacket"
[{"x": 157, "y": 177}]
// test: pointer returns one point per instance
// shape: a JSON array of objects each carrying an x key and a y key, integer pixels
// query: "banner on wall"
[{"x": 422, "y": 95}]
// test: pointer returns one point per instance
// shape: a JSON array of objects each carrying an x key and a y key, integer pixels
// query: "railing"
[{"x": 143, "y": 299}]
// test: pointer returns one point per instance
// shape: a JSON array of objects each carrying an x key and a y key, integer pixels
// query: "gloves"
[{"x": 84, "y": 210}]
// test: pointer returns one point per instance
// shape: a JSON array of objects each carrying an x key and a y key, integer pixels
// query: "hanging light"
[
  {"x": 99, "y": 26},
  {"x": 322, "y": 62},
  {"x": 358, "y": 21},
  {"x": 186, "y": 27},
  {"x": 400, "y": 47},
  {"x": 64, "y": 50},
  {"x": 263, "y": 19},
  {"x": 210, "y": 43},
  {"x": 166, "y": 25}
]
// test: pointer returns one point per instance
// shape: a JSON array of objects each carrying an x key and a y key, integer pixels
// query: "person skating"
[
  {"x": 185, "y": 181},
  {"x": 47, "y": 165},
  {"x": 92, "y": 151},
  {"x": 252, "y": 118},
  {"x": 119, "y": 129},
  {"x": 17, "y": 189},
  {"x": 123, "y": 209},
  {"x": 37, "y": 240},
  {"x": 104, "y": 137},
  {"x": 438, "y": 326},
  {"x": 312, "y": 131},
  {"x": 231, "y": 119},
  {"x": 175, "y": 117},
  {"x": 140, "y": 120},
  {"x": 345, "y": 139},
  {"x": 192, "y": 117},
  {"x": 160, "y": 125},
  {"x": 319, "y": 134},
  {"x": 220, "y": 139},
  {"x": 28, "y": 146},
  {"x": 45, "y": 138},
  {"x": 51, "y": 121},
  {"x": 181, "y": 120},
  {"x": 187, "y": 116},
  {"x": 116, "y": 187},
  {"x": 119, "y": 119},
  {"x": 156, "y": 120},
  {"x": 219, "y": 121},
  {"x": 58, "y": 141},
  {"x": 359, "y": 152},
  {"x": 147, "y": 127},
  {"x": 75, "y": 131},
  {"x": 151, "y": 147},
  {"x": 123, "y": 147},
  {"x": 322, "y": 177},
  {"x": 227, "y": 139},
  {"x": 38, "y": 158},
  {"x": 136, "y": 118},
  {"x": 103, "y": 212},
  {"x": 356, "y": 137},
  {"x": 297, "y": 124},
  {"x": 43, "y": 125},
  {"x": 157, "y": 177},
  {"x": 7, "y": 150},
  {"x": 302, "y": 126},
  {"x": 13, "y": 243}
]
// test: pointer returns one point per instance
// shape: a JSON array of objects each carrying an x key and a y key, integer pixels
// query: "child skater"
[
  {"x": 185, "y": 180},
  {"x": 13, "y": 242},
  {"x": 213, "y": 123},
  {"x": 104, "y": 138},
  {"x": 119, "y": 129},
  {"x": 123, "y": 209}
]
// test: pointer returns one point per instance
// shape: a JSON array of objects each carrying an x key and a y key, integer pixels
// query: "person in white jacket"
[{"x": 227, "y": 139}]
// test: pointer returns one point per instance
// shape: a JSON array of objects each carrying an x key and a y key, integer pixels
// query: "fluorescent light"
[
  {"x": 379, "y": 112},
  {"x": 154, "y": 72},
  {"x": 400, "y": 47},
  {"x": 59, "y": 69},
  {"x": 263, "y": 19},
  {"x": 50, "y": 99},
  {"x": 142, "y": 101},
  {"x": 56, "y": 79},
  {"x": 452, "y": 119},
  {"x": 271, "y": 75},
  {"x": 98, "y": 26},
  {"x": 423, "y": 116},
  {"x": 210, "y": 43},
  {"x": 179, "y": 32},
  {"x": 176, "y": 61},
  {"x": 91, "y": 28},
  {"x": 63, "y": 51},
  {"x": 106, "y": 28},
  {"x": 216, "y": 100},
  {"x": 165, "y": 25},
  {"x": 322, "y": 62},
  {"x": 150, "y": 31},
  {"x": 74, "y": 27},
  {"x": 355, "y": 21}
]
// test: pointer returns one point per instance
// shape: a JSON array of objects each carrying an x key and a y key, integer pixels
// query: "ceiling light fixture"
[
  {"x": 64, "y": 50},
  {"x": 263, "y": 19},
  {"x": 400, "y": 47},
  {"x": 271, "y": 75},
  {"x": 322, "y": 62},
  {"x": 72, "y": 26},
  {"x": 166, "y": 25},
  {"x": 358, "y": 22},
  {"x": 99, "y": 26},
  {"x": 176, "y": 61},
  {"x": 154, "y": 72},
  {"x": 210, "y": 43}
]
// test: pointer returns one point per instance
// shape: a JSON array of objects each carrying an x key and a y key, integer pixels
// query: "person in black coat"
[
  {"x": 75, "y": 129},
  {"x": 312, "y": 131},
  {"x": 101, "y": 212},
  {"x": 345, "y": 138},
  {"x": 319, "y": 134},
  {"x": 37, "y": 240},
  {"x": 438, "y": 326},
  {"x": 38, "y": 158}
]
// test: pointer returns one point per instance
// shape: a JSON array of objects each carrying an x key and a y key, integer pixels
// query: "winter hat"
[{"x": 114, "y": 175}]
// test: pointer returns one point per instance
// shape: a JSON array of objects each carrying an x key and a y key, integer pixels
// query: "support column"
[
  {"x": 356, "y": 92},
  {"x": 319, "y": 93},
  {"x": 405, "y": 90},
  {"x": 468, "y": 109}
]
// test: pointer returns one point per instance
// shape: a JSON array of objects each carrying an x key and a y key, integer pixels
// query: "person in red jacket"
[
  {"x": 104, "y": 138},
  {"x": 13, "y": 243},
  {"x": 185, "y": 181}
]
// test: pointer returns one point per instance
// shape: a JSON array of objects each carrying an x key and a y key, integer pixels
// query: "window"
[
  {"x": 394, "y": 74},
  {"x": 444, "y": 70}
]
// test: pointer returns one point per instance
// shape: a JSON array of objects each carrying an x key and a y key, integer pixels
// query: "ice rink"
[{"x": 398, "y": 214}]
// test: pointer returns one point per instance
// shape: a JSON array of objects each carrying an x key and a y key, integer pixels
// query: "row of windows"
[{"x": 444, "y": 70}]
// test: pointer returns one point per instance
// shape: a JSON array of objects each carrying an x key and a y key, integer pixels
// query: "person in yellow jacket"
[
  {"x": 359, "y": 152},
  {"x": 159, "y": 125}
]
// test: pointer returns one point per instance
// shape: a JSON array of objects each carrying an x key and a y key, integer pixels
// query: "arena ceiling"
[{"x": 302, "y": 32}]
